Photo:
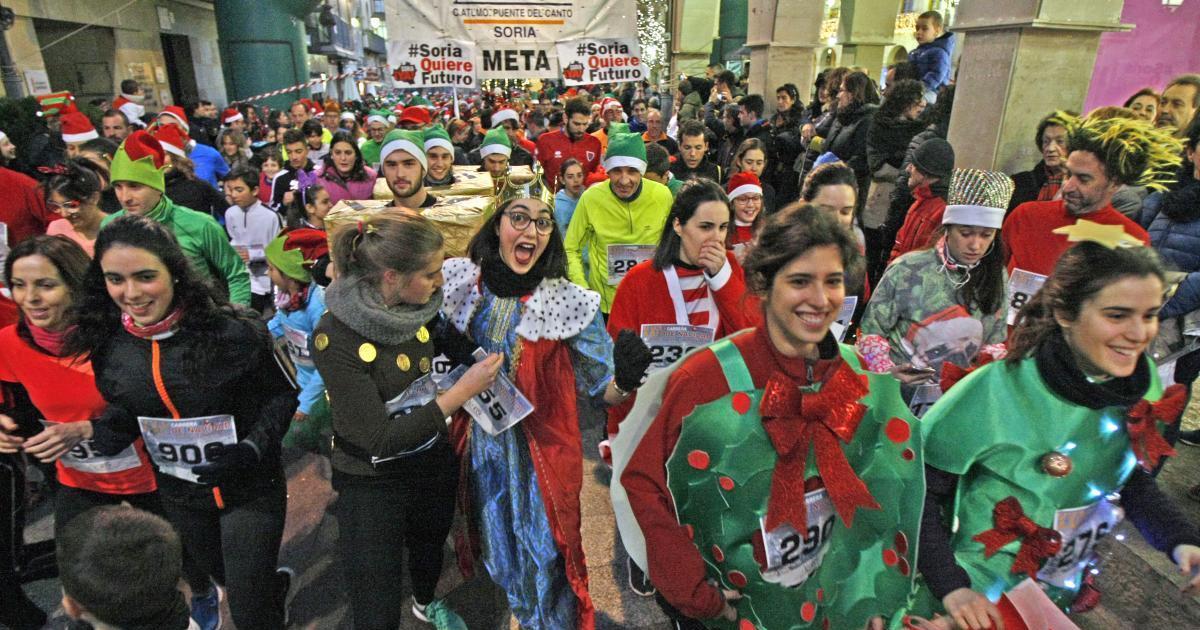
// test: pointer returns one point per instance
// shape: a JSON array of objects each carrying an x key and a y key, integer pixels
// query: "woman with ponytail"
[
  {"x": 1031, "y": 456},
  {"x": 74, "y": 191}
]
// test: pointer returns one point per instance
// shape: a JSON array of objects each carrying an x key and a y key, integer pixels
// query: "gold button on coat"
[
  {"x": 422, "y": 335},
  {"x": 321, "y": 342},
  {"x": 425, "y": 365},
  {"x": 367, "y": 352},
  {"x": 403, "y": 362}
]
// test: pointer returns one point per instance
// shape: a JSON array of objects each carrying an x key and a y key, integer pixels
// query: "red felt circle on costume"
[
  {"x": 698, "y": 459},
  {"x": 889, "y": 557},
  {"x": 820, "y": 594},
  {"x": 901, "y": 542},
  {"x": 808, "y": 612},
  {"x": 898, "y": 430},
  {"x": 726, "y": 483},
  {"x": 746, "y": 624},
  {"x": 825, "y": 624},
  {"x": 717, "y": 554},
  {"x": 904, "y": 567},
  {"x": 737, "y": 578},
  {"x": 908, "y": 455},
  {"x": 741, "y": 402}
]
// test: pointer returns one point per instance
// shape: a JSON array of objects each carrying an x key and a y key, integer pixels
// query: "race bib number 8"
[
  {"x": 1022, "y": 286},
  {"x": 177, "y": 446},
  {"x": 669, "y": 342},
  {"x": 622, "y": 258},
  {"x": 1081, "y": 528},
  {"x": 794, "y": 556}
]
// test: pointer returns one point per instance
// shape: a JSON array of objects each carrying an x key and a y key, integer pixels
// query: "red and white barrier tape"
[{"x": 295, "y": 88}]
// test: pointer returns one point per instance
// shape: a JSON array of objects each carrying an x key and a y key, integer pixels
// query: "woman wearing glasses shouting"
[{"x": 523, "y": 448}]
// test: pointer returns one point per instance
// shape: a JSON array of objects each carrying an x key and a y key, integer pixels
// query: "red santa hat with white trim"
[
  {"x": 172, "y": 139},
  {"x": 743, "y": 183},
  {"x": 176, "y": 112},
  {"x": 231, "y": 115},
  {"x": 77, "y": 127}
]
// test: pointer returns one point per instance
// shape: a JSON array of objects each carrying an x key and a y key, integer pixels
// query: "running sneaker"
[
  {"x": 638, "y": 583},
  {"x": 439, "y": 615},
  {"x": 206, "y": 609},
  {"x": 286, "y": 576},
  {"x": 1191, "y": 438}
]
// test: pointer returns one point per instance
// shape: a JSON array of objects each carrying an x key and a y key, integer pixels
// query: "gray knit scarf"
[{"x": 358, "y": 304}]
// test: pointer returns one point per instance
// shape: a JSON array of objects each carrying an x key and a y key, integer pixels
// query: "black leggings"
[
  {"x": 377, "y": 519},
  {"x": 678, "y": 620},
  {"x": 239, "y": 547}
]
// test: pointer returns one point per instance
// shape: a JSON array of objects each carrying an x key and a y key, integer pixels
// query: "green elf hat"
[
  {"x": 435, "y": 136},
  {"x": 617, "y": 127},
  {"x": 496, "y": 141},
  {"x": 418, "y": 101},
  {"x": 378, "y": 115},
  {"x": 411, "y": 142},
  {"x": 625, "y": 149},
  {"x": 141, "y": 159},
  {"x": 295, "y": 252}
]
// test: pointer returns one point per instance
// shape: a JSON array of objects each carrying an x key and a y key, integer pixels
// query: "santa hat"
[
  {"x": 176, "y": 112},
  {"x": 436, "y": 136},
  {"x": 977, "y": 197},
  {"x": 495, "y": 141},
  {"x": 312, "y": 106},
  {"x": 502, "y": 115},
  {"x": 76, "y": 127},
  {"x": 55, "y": 103},
  {"x": 608, "y": 103},
  {"x": 416, "y": 115},
  {"x": 743, "y": 183},
  {"x": 410, "y": 142},
  {"x": 140, "y": 159},
  {"x": 294, "y": 253},
  {"x": 378, "y": 115},
  {"x": 172, "y": 139},
  {"x": 346, "y": 116},
  {"x": 625, "y": 149},
  {"x": 231, "y": 115}
]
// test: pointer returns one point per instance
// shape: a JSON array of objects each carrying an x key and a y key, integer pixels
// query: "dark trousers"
[
  {"x": 678, "y": 619},
  {"x": 239, "y": 547},
  {"x": 377, "y": 519}
]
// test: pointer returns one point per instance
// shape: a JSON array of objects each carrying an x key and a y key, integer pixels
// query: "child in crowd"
[
  {"x": 251, "y": 225},
  {"x": 271, "y": 165},
  {"x": 932, "y": 55},
  {"x": 292, "y": 259},
  {"x": 310, "y": 205}
]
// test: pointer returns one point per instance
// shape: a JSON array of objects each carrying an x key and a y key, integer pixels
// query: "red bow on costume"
[
  {"x": 952, "y": 374},
  {"x": 794, "y": 420},
  {"x": 1142, "y": 424},
  {"x": 1037, "y": 542}
]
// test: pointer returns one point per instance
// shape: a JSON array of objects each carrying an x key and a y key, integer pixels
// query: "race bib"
[
  {"x": 176, "y": 446},
  {"x": 839, "y": 325},
  {"x": 669, "y": 342},
  {"x": 924, "y": 397},
  {"x": 297, "y": 345},
  {"x": 441, "y": 368},
  {"x": 793, "y": 557},
  {"x": 1022, "y": 285},
  {"x": 622, "y": 258},
  {"x": 1081, "y": 528},
  {"x": 497, "y": 408},
  {"x": 84, "y": 458}
]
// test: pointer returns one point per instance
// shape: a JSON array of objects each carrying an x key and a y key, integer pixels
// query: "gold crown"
[{"x": 536, "y": 188}]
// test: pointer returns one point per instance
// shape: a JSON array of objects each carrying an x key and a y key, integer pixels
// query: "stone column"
[
  {"x": 1021, "y": 60},
  {"x": 783, "y": 38},
  {"x": 693, "y": 27},
  {"x": 865, "y": 29}
]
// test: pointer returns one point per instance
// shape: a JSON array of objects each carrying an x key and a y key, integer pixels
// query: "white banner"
[
  {"x": 609, "y": 60},
  {"x": 433, "y": 63},
  {"x": 515, "y": 40}
]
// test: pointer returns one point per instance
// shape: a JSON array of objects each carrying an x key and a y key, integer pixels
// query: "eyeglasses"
[
  {"x": 520, "y": 221},
  {"x": 70, "y": 205},
  {"x": 747, "y": 199}
]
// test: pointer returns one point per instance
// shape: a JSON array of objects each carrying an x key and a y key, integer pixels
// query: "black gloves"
[
  {"x": 232, "y": 463},
  {"x": 631, "y": 357}
]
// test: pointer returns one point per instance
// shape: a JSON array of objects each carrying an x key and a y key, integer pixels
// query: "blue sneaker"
[
  {"x": 206, "y": 609},
  {"x": 438, "y": 614}
]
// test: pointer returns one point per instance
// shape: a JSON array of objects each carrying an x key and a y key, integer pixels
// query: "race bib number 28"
[
  {"x": 622, "y": 258},
  {"x": 177, "y": 446}
]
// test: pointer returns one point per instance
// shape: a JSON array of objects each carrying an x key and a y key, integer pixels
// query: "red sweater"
[
  {"x": 643, "y": 298},
  {"x": 1032, "y": 244},
  {"x": 22, "y": 206},
  {"x": 677, "y": 569},
  {"x": 66, "y": 392},
  {"x": 923, "y": 219},
  {"x": 554, "y": 147}
]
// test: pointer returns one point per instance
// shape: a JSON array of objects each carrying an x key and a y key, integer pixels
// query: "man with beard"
[
  {"x": 1179, "y": 103},
  {"x": 404, "y": 165},
  {"x": 1102, "y": 155},
  {"x": 572, "y": 141}
]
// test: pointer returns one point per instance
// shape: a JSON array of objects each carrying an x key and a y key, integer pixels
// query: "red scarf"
[
  {"x": 49, "y": 340},
  {"x": 1054, "y": 180},
  {"x": 162, "y": 326}
]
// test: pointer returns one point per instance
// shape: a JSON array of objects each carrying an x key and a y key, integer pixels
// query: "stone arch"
[{"x": 899, "y": 53}]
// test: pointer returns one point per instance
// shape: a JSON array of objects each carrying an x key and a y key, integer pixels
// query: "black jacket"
[
  {"x": 888, "y": 139},
  {"x": 704, "y": 169},
  {"x": 848, "y": 140},
  {"x": 197, "y": 195},
  {"x": 230, "y": 370},
  {"x": 1028, "y": 185},
  {"x": 285, "y": 181}
]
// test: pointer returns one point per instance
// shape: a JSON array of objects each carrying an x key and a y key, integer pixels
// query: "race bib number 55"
[{"x": 177, "y": 446}]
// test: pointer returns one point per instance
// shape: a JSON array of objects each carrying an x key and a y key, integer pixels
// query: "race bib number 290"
[
  {"x": 794, "y": 556},
  {"x": 177, "y": 446}
]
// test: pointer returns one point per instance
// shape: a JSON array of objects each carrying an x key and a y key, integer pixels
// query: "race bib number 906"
[
  {"x": 177, "y": 446},
  {"x": 794, "y": 556}
]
